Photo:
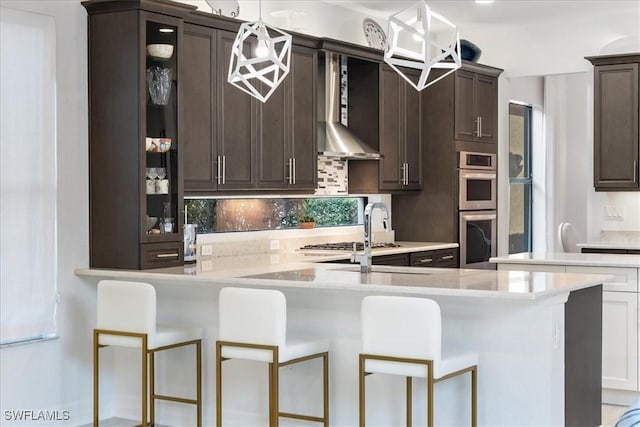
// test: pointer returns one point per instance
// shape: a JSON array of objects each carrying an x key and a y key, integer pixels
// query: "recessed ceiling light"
[
  {"x": 484, "y": 1},
  {"x": 166, "y": 30}
]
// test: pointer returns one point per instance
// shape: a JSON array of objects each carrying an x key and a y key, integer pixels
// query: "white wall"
[
  {"x": 568, "y": 128},
  {"x": 57, "y": 374}
]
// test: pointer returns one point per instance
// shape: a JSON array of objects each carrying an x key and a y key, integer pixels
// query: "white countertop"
[
  {"x": 482, "y": 284},
  {"x": 563, "y": 258},
  {"x": 624, "y": 245}
]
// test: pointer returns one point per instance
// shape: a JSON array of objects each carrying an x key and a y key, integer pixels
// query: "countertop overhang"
[
  {"x": 416, "y": 281},
  {"x": 570, "y": 258}
]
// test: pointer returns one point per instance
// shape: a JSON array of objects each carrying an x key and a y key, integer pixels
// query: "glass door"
[{"x": 161, "y": 140}]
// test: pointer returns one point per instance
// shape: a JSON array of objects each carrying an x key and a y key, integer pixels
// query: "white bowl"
[{"x": 162, "y": 51}]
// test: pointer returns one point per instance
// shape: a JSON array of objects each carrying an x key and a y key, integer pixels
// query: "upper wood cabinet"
[
  {"x": 286, "y": 154},
  {"x": 476, "y": 111},
  {"x": 218, "y": 118},
  {"x": 233, "y": 142},
  {"x": 616, "y": 135},
  {"x": 400, "y": 133}
]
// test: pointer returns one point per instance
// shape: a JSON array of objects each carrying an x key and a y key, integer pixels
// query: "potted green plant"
[{"x": 307, "y": 221}]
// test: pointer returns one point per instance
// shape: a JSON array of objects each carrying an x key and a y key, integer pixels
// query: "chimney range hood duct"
[{"x": 335, "y": 139}]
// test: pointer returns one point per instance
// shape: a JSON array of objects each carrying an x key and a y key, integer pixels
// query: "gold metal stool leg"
[
  {"x": 325, "y": 390},
  {"x": 409, "y": 402},
  {"x": 144, "y": 381},
  {"x": 430, "y": 397},
  {"x": 96, "y": 374},
  {"x": 474, "y": 396},
  {"x": 152, "y": 387},
  {"x": 218, "y": 385},
  {"x": 199, "y": 383},
  {"x": 362, "y": 390}
]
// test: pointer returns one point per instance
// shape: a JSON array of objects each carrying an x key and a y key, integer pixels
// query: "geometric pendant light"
[
  {"x": 260, "y": 58},
  {"x": 421, "y": 39}
]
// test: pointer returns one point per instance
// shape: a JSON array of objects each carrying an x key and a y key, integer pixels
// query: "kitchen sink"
[
  {"x": 380, "y": 275},
  {"x": 388, "y": 270}
]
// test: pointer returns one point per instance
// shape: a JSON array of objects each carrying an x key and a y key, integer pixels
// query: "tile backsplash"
[{"x": 332, "y": 177}]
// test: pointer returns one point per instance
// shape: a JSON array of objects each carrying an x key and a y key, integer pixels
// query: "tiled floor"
[{"x": 610, "y": 415}]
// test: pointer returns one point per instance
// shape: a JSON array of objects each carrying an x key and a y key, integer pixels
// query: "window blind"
[{"x": 28, "y": 291}]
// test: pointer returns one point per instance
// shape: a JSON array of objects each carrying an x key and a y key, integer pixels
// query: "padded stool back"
[
  {"x": 126, "y": 306},
  {"x": 257, "y": 316},
  {"x": 400, "y": 326}
]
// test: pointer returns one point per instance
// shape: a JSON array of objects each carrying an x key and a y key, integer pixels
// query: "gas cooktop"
[{"x": 346, "y": 246}]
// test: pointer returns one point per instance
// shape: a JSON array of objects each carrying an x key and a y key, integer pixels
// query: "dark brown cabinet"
[
  {"x": 476, "y": 107},
  {"x": 431, "y": 214},
  {"x": 233, "y": 142},
  {"x": 616, "y": 132},
  {"x": 218, "y": 117},
  {"x": 286, "y": 143},
  {"x": 135, "y": 135},
  {"x": 435, "y": 258},
  {"x": 400, "y": 133}
]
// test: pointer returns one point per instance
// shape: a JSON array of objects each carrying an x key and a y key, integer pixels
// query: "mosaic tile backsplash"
[{"x": 332, "y": 177}]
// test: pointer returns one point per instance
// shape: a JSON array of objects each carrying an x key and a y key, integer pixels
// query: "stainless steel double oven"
[{"x": 477, "y": 191}]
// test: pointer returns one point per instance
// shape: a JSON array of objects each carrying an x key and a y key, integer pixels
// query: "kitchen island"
[{"x": 538, "y": 336}]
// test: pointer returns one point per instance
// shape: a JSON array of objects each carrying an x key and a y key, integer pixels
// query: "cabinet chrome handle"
[
  {"x": 290, "y": 171},
  {"x": 447, "y": 257},
  {"x": 406, "y": 174},
  {"x": 218, "y": 177},
  {"x": 403, "y": 173},
  {"x": 480, "y": 131},
  {"x": 477, "y": 122},
  {"x": 224, "y": 169},
  {"x": 426, "y": 261},
  {"x": 171, "y": 255},
  {"x": 294, "y": 170}
]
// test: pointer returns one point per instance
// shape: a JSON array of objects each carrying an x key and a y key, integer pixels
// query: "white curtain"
[{"x": 28, "y": 291}]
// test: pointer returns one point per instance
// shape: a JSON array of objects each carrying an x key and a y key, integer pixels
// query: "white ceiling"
[
  {"x": 525, "y": 37},
  {"x": 531, "y": 37}
]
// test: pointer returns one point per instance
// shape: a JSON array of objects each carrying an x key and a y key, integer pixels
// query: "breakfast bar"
[{"x": 537, "y": 334}]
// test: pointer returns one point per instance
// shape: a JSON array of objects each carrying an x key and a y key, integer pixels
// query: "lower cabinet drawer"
[
  {"x": 395, "y": 259},
  {"x": 157, "y": 255},
  {"x": 437, "y": 258}
]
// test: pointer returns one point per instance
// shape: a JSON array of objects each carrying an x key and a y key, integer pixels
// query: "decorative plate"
[
  {"x": 374, "y": 34},
  {"x": 225, "y": 7}
]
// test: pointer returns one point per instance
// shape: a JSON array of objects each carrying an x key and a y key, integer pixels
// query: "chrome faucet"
[{"x": 365, "y": 259}]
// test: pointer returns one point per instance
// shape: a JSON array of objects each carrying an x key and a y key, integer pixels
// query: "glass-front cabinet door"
[{"x": 162, "y": 204}]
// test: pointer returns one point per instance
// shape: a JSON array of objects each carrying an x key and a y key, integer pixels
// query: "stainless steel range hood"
[{"x": 335, "y": 139}]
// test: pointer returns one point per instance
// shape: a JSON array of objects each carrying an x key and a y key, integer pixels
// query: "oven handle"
[
  {"x": 479, "y": 217},
  {"x": 476, "y": 175}
]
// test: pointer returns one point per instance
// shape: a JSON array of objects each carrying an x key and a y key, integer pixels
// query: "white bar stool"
[
  {"x": 402, "y": 336},
  {"x": 127, "y": 318},
  {"x": 253, "y": 326}
]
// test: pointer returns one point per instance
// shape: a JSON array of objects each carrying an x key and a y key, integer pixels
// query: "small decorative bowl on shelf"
[
  {"x": 307, "y": 221},
  {"x": 160, "y": 51}
]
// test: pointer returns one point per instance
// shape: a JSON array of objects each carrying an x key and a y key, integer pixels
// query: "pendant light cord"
[{"x": 260, "y": 10}]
